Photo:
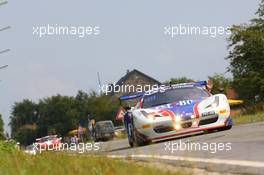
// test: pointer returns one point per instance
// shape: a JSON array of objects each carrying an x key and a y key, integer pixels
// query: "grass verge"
[
  {"x": 19, "y": 163},
  {"x": 248, "y": 118}
]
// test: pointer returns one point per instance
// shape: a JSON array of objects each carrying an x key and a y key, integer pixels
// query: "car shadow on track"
[
  {"x": 178, "y": 138},
  {"x": 193, "y": 136}
]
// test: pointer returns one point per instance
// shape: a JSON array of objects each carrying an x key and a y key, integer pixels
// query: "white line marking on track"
[{"x": 256, "y": 164}]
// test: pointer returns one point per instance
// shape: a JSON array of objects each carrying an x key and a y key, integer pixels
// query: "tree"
[
  {"x": 179, "y": 80},
  {"x": 23, "y": 121},
  {"x": 247, "y": 57},
  {"x": 103, "y": 107},
  {"x": 59, "y": 114},
  {"x": 220, "y": 83},
  {"x": 2, "y": 135}
]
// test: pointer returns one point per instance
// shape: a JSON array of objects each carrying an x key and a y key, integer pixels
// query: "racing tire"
[
  {"x": 225, "y": 128},
  {"x": 130, "y": 135},
  {"x": 130, "y": 141},
  {"x": 137, "y": 141}
]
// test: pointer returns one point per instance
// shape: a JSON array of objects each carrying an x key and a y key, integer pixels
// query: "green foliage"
[
  {"x": 25, "y": 136},
  {"x": 260, "y": 11},
  {"x": 7, "y": 146},
  {"x": 179, "y": 80},
  {"x": 2, "y": 135},
  {"x": 23, "y": 113},
  {"x": 247, "y": 58},
  {"x": 54, "y": 164},
  {"x": 103, "y": 107},
  {"x": 248, "y": 118},
  {"x": 220, "y": 83},
  {"x": 59, "y": 114},
  {"x": 23, "y": 116}
]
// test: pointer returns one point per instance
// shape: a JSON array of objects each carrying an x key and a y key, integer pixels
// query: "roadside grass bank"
[
  {"x": 248, "y": 118},
  {"x": 121, "y": 135},
  {"x": 7, "y": 146},
  {"x": 18, "y": 163}
]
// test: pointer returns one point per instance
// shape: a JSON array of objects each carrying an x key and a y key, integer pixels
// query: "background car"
[
  {"x": 173, "y": 111},
  {"x": 30, "y": 149},
  {"x": 51, "y": 141},
  {"x": 104, "y": 130}
]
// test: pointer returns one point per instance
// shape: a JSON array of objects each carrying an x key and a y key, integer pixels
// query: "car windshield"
[
  {"x": 172, "y": 95},
  {"x": 43, "y": 139},
  {"x": 47, "y": 138},
  {"x": 105, "y": 125}
]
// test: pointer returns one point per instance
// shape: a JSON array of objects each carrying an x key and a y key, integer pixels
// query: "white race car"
[
  {"x": 173, "y": 111},
  {"x": 48, "y": 142}
]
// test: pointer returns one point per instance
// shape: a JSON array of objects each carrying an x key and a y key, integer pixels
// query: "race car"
[
  {"x": 48, "y": 142},
  {"x": 177, "y": 110}
]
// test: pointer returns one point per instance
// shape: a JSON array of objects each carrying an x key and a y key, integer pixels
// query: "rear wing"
[
  {"x": 131, "y": 97},
  {"x": 198, "y": 83},
  {"x": 179, "y": 85},
  {"x": 124, "y": 98},
  {"x": 208, "y": 85}
]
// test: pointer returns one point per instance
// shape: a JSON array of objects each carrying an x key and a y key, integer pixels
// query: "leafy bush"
[
  {"x": 61, "y": 163},
  {"x": 7, "y": 146},
  {"x": 59, "y": 115}
]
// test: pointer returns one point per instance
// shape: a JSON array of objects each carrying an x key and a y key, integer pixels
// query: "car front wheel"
[
  {"x": 225, "y": 128},
  {"x": 137, "y": 140}
]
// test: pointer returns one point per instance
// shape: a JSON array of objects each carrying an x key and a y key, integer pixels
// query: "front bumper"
[{"x": 166, "y": 129}]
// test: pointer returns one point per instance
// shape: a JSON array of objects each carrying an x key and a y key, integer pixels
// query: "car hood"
[{"x": 184, "y": 108}]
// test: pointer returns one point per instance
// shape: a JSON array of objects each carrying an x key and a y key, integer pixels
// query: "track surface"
[{"x": 246, "y": 154}]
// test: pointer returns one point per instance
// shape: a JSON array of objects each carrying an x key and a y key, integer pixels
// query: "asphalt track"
[{"x": 244, "y": 155}]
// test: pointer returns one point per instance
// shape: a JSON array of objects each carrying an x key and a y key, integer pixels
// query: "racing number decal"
[{"x": 185, "y": 102}]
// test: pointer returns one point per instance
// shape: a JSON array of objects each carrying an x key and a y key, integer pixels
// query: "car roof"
[
  {"x": 49, "y": 136},
  {"x": 162, "y": 87},
  {"x": 175, "y": 86}
]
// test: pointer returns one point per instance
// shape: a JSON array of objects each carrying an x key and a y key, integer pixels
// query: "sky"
[{"x": 131, "y": 37}]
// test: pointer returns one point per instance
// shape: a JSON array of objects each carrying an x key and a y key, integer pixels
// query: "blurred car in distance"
[
  {"x": 104, "y": 130},
  {"x": 31, "y": 149},
  {"x": 51, "y": 141}
]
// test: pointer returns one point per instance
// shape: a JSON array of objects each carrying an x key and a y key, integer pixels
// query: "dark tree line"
[
  {"x": 2, "y": 135},
  {"x": 59, "y": 114}
]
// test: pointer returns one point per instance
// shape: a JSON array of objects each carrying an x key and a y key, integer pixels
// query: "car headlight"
[
  {"x": 177, "y": 119},
  {"x": 177, "y": 126}
]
